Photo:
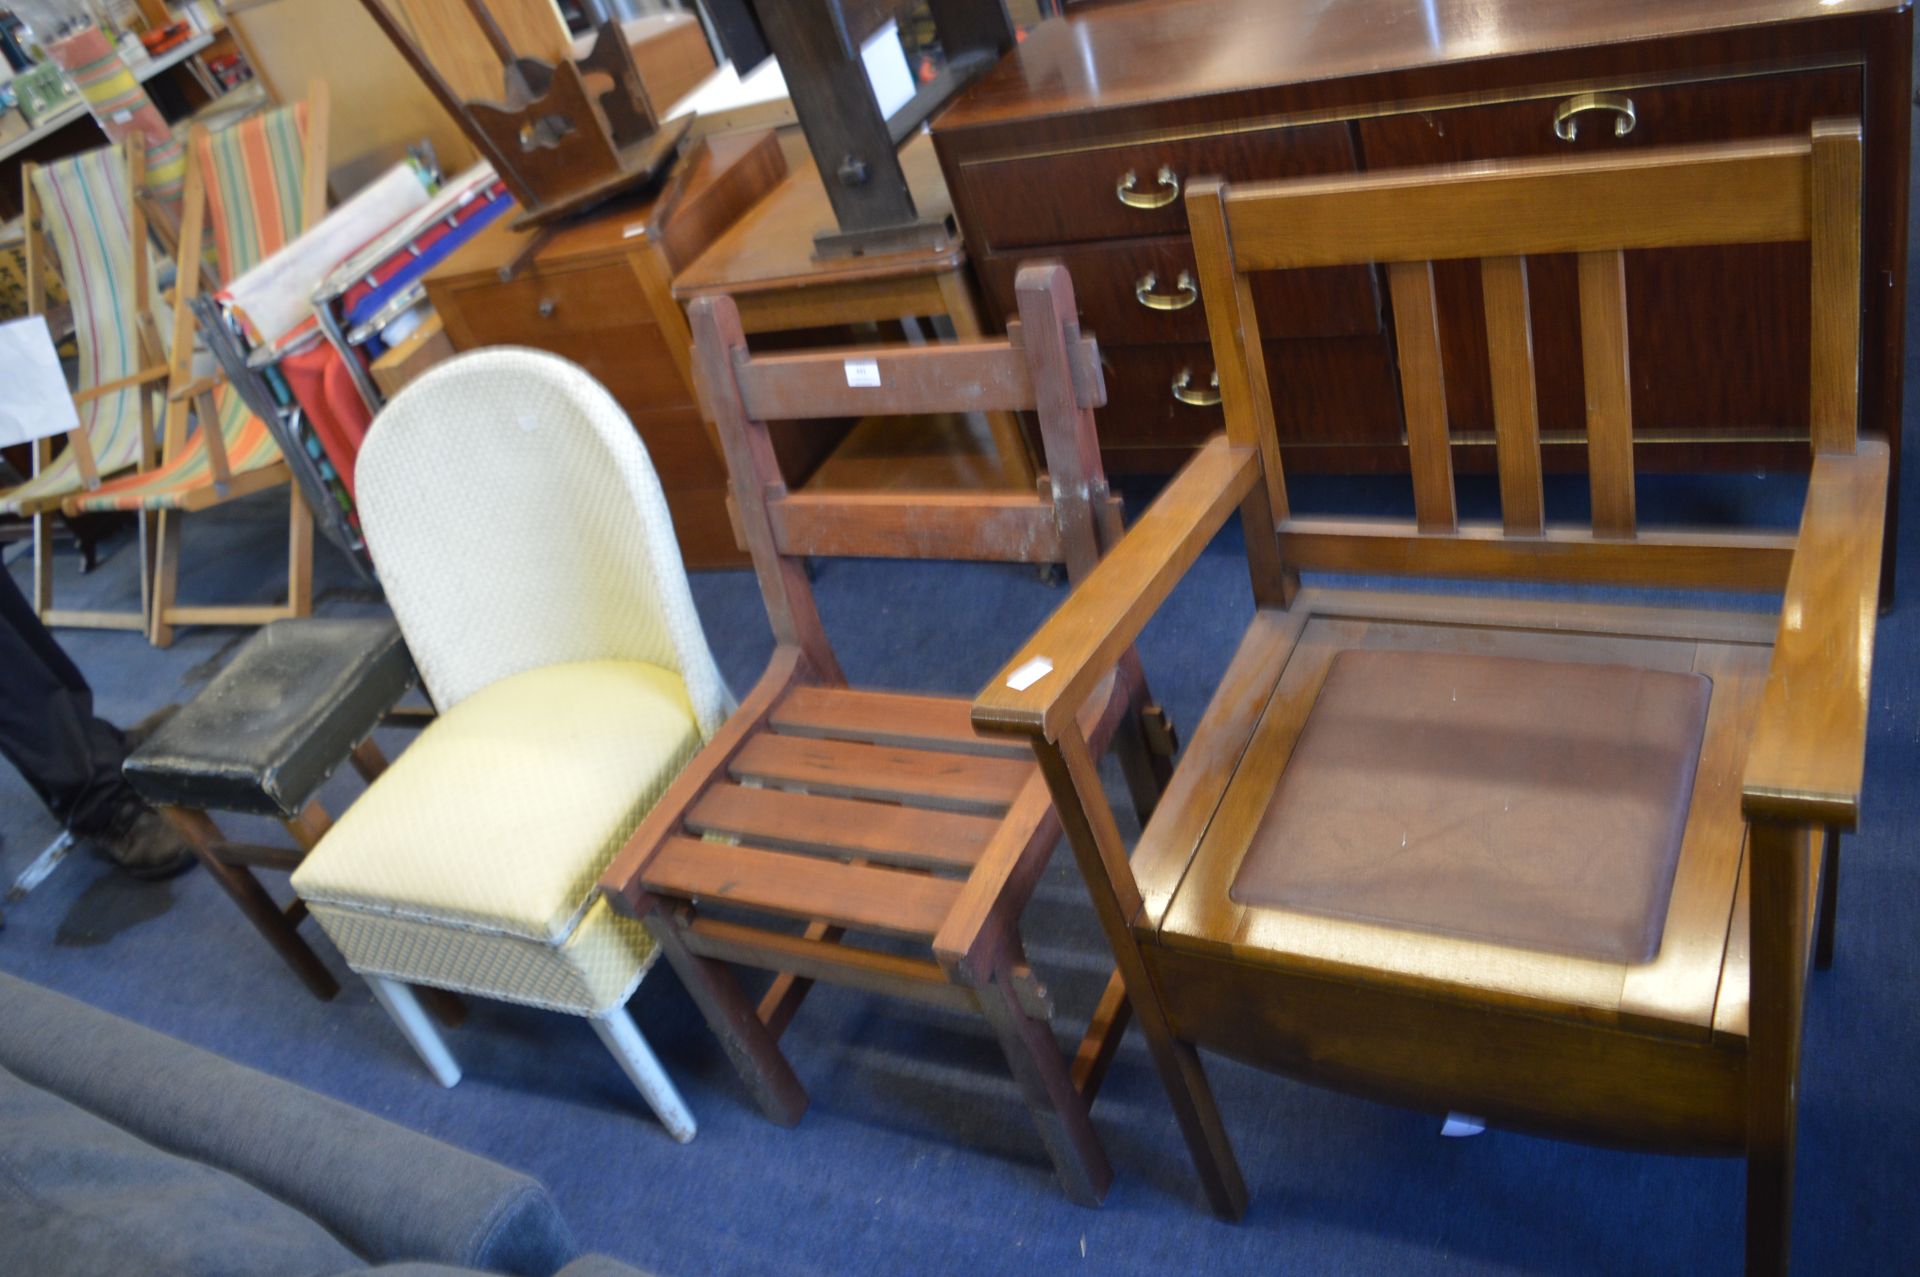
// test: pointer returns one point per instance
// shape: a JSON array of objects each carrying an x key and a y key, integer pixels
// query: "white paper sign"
[
  {"x": 34, "y": 400},
  {"x": 863, "y": 372},
  {"x": 887, "y": 70}
]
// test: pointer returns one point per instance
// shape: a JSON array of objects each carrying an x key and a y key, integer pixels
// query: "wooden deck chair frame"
[
  {"x": 855, "y": 812},
  {"x": 188, "y": 394},
  {"x": 149, "y": 378},
  {"x": 1694, "y": 1051}
]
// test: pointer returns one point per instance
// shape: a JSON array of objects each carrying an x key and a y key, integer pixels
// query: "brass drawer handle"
[
  {"x": 1184, "y": 294},
  {"x": 1182, "y": 390},
  {"x": 1168, "y": 192},
  {"x": 545, "y": 308},
  {"x": 1566, "y": 117}
]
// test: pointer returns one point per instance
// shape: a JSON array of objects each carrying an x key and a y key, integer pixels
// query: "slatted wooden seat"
[
  {"x": 875, "y": 838},
  {"x": 1358, "y": 963}
]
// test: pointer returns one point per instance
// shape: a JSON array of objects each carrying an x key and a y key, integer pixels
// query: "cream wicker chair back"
[
  {"x": 516, "y": 522},
  {"x": 525, "y": 546}
]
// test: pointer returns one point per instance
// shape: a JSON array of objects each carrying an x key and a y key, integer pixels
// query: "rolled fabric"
[{"x": 122, "y": 108}]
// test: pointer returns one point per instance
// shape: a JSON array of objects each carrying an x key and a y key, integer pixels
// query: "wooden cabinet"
[
  {"x": 597, "y": 291},
  {"x": 1038, "y": 152}
]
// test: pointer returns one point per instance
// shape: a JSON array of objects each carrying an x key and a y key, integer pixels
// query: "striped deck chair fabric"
[
  {"x": 122, "y": 108},
  {"x": 87, "y": 210},
  {"x": 255, "y": 176}
]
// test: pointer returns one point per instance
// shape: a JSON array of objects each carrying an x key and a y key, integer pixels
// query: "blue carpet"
[{"x": 916, "y": 1155}]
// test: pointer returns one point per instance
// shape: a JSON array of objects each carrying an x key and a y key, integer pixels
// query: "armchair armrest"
[
  {"x": 140, "y": 378},
  {"x": 1809, "y": 742},
  {"x": 1080, "y": 643}
]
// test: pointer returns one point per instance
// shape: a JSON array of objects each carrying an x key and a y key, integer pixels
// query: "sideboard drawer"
[
  {"x": 1743, "y": 307},
  {"x": 1145, "y": 291},
  {"x": 1334, "y": 391},
  {"x": 1118, "y": 192}
]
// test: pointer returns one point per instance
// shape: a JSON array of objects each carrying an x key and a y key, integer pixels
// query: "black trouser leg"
[{"x": 48, "y": 729}]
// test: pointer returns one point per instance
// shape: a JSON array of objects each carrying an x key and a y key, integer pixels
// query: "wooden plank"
[
  {"x": 1516, "y": 413},
  {"x": 890, "y": 718},
  {"x": 990, "y": 903},
  {"x": 880, "y": 832},
  {"x": 1703, "y": 625},
  {"x": 1836, "y": 285},
  {"x": 915, "y": 777},
  {"x": 620, "y": 881},
  {"x": 1423, "y": 394},
  {"x": 1605, "y": 365},
  {"x": 1808, "y": 755},
  {"x": 858, "y": 897},
  {"x": 993, "y": 526},
  {"x": 1211, "y": 757},
  {"x": 962, "y": 376},
  {"x": 836, "y": 963},
  {"x": 1085, "y": 637},
  {"x": 1750, "y": 561},
  {"x": 1682, "y": 983},
  {"x": 1744, "y": 193}
]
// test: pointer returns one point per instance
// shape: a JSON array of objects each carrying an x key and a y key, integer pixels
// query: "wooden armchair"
[
  {"x": 1552, "y": 864},
  {"x": 820, "y": 813}
]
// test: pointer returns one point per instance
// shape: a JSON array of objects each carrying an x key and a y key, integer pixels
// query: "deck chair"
[
  {"x": 1558, "y": 865},
  {"x": 85, "y": 222},
  {"x": 254, "y": 186},
  {"x": 820, "y": 813}
]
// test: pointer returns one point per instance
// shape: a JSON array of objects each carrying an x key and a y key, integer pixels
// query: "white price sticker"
[
  {"x": 863, "y": 372},
  {"x": 1030, "y": 673}
]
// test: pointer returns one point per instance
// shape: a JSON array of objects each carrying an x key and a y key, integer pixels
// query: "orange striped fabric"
[{"x": 255, "y": 177}]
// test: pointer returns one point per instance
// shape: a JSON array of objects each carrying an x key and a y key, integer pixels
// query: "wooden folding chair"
[
  {"x": 819, "y": 812},
  {"x": 1559, "y": 865},
  {"x": 85, "y": 221},
  {"x": 254, "y": 186}
]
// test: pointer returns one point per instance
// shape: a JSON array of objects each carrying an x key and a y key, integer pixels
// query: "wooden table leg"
[{"x": 1016, "y": 458}]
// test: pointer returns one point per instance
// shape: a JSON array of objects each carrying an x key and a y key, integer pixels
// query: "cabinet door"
[{"x": 1719, "y": 336}]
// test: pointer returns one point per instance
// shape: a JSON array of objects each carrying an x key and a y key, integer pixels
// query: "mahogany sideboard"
[{"x": 1077, "y": 146}]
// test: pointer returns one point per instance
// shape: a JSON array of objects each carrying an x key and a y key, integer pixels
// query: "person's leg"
[{"x": 67, "y": 754}]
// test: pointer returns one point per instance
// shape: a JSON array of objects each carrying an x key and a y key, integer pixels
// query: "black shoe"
[{"x": 145, "y": 845}]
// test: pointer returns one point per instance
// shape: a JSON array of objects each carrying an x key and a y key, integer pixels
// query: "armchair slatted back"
[
  {"x": 1794, "y": 189},
  {"x": 1044, "y": 365}
]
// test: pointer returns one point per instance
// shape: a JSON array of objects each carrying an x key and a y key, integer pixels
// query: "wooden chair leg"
[
  {"x": 238, "y": 882},
  {"x": 754, "y": 1051},
  {"x": 1102, "y": 1040},
  {"x": 166, "y": 577},
  {"x": 369, "y": 760},
  {"x": 1777, "y": 942},
  {"x": 1829, "y": 901},
  {"x": 425, "y": 1040},
  {"x": 637, "y": 1060},
  {"x": 42, "y": 564},
  {"x": 1074, "y": 778},
  {"x": 299, "y": 553},
  {"x": 1058, "y": 1110}
]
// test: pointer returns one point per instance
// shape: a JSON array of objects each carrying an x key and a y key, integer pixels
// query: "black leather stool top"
[{"x": 275, "y": 723}]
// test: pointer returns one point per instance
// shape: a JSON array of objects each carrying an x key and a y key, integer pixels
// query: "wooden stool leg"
[
  {"x": 238, "y": 882},
  {"x": 1058, "y": 1109},
  {"x": 414, "y": 1025},
  {"x": 637, "y": 1060},
  {"x": 299, "y": 554},
  {"x": 754, "y": 1051},
  {"x": 1829, "y": 901},
  {"x": 369, "y": 760}
]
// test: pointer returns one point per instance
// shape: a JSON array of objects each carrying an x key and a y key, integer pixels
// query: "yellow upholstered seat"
[{"x": 495, "y": 825}]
